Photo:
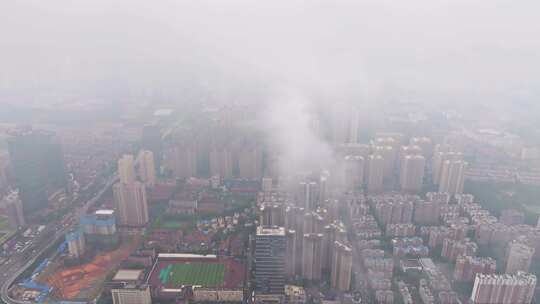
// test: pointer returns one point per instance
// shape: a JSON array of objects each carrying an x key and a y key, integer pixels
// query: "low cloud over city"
[{"x": 279, "y": 152}]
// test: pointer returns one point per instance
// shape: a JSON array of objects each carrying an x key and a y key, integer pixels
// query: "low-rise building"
[{"x": 132, "y": 294}]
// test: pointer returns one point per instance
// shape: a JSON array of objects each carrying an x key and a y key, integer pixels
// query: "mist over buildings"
[
  {"x": 295, "y": 58},
  {"x": 235, "y": 49}
]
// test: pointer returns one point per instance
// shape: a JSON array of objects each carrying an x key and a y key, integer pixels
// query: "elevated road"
[{"x": 11, "y": 271}]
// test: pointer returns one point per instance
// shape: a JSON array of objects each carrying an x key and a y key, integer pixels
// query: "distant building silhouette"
[
  {"x": 38, "y": 166},
  {"x": 151, "y": 141},
  {"x": 14, "y": 210}
]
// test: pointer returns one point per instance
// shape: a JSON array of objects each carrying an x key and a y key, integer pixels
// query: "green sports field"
[{"x": 204, "y": 274}]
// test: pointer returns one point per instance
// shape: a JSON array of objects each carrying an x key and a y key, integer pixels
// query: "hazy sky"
[
  {"x": 284, "y": 54},
  {"x": 340, "y": 49}
]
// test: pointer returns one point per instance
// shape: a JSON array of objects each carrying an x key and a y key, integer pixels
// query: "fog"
[
  {"x": 228, "y": 49},
  {"x": 288, "y": 55}
]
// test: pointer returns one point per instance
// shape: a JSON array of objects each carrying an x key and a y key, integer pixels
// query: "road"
[{"x": 17, "y": 264}]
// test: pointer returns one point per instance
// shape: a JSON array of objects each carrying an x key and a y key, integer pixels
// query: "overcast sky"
[
  {"x": 284, "y": 54},
  {"x": 340, "y": 49}
]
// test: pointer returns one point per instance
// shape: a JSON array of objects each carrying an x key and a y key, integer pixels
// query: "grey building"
[
  {"x": 38, "y": 166},
  {"x": 270, "y": 248}
]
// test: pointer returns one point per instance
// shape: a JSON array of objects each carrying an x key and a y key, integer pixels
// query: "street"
[{"x": 17, "y": 263}]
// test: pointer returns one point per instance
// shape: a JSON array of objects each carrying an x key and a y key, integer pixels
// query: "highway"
[{"x": 12, "y": 269}]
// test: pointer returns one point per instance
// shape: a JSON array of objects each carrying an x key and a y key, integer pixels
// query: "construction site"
[{"x": 54, "y": 280}]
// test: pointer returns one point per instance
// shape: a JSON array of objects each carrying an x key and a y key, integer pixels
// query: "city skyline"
[{"x": 283, "y": 152}]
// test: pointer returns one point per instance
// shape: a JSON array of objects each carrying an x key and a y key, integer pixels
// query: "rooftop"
[
  {"x": 128, "y": 275},
  {"x": 274, "y": 230},
  {"x": 427, "y": 263},
  {"x": 133, "y": 286},
  {"x": 186, "y": 256},
  {"x": 105, "y": 212}
]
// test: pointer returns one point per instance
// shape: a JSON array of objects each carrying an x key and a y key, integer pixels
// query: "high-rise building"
[
  {"x": 423, "y": 142},
  {"x": 272, "y": 214},
  {"x": 335, "y": 232},
  {"x": 270, "y": 260},
  {"x": 439, "y": 155},
  {"x": 126, "y": 169},
  {"x": 453, "y": 176},
  {"x": 14, "y": 210},
  {"x": 132, "y": 294},
  {"x": 151, "y": 141},
  {"x": 438, "y": 197},
  {"x": 405, "y": 151},
  {"x": 353, "y": 149},
  {"x": 102, "y": 223},
  {"x": 375, "y": 174},
  {"x": 147, "y": 169},
  {"x": 442, "y": 154},
  {"x": 504, "y": 288},
  {"x": 38, "y": 165},
  {"x": 341, "y": 267},
  {"x": 323, "y": 187},
  {"x": 400, "y": 230},
  {"x": 353, "y": 126},
  {"x": 313, "y": 222},
  {"x": 100, "y": 229},
  {"x": 308, "y": 195},
  {"x": 221, "y": 162},
  {"x": 339, "y": 127},
  {"x": 468, "y": 266},
  {"x": 464, "y": 199},
  {"x": 412, "y": 173},
  {"x": 383, "y": 296},
  {"x": 76, "y": 243},
  {"x": 409, "y": 150},
  {"x": 452, "y": 249},
  {"x": 130, "y": 195},
  {"x": 312, "y": 256},
  {"x": 394, "y": 210},
  {"x": 333, "y": 209},
  {"x": 292, "y": 260},
  {"x": 354, "y": 172},
  {"x": 5, "y": 171},
  {"x": 181, "y": 161},
  {"x": 389, "y": 155},
  {"x": 395, "y": 138},
  {"x": 250, "y": 162},
  {"x": 519, "y": 257},
  {"x": 294, "y": 220},
  {"x": 131, "y": 204}
]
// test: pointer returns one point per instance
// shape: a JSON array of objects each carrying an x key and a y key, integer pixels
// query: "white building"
[
  {"x": 132, "y": 294},
  {"x": 126, "y": 169},
  {"x": 147, "y": 168},
  {"x": 453, "y": 176},
  {"x": 504, "y": 288},
  {"x": 412, "y": 173},
  {"x": 131, "y": 204}
]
